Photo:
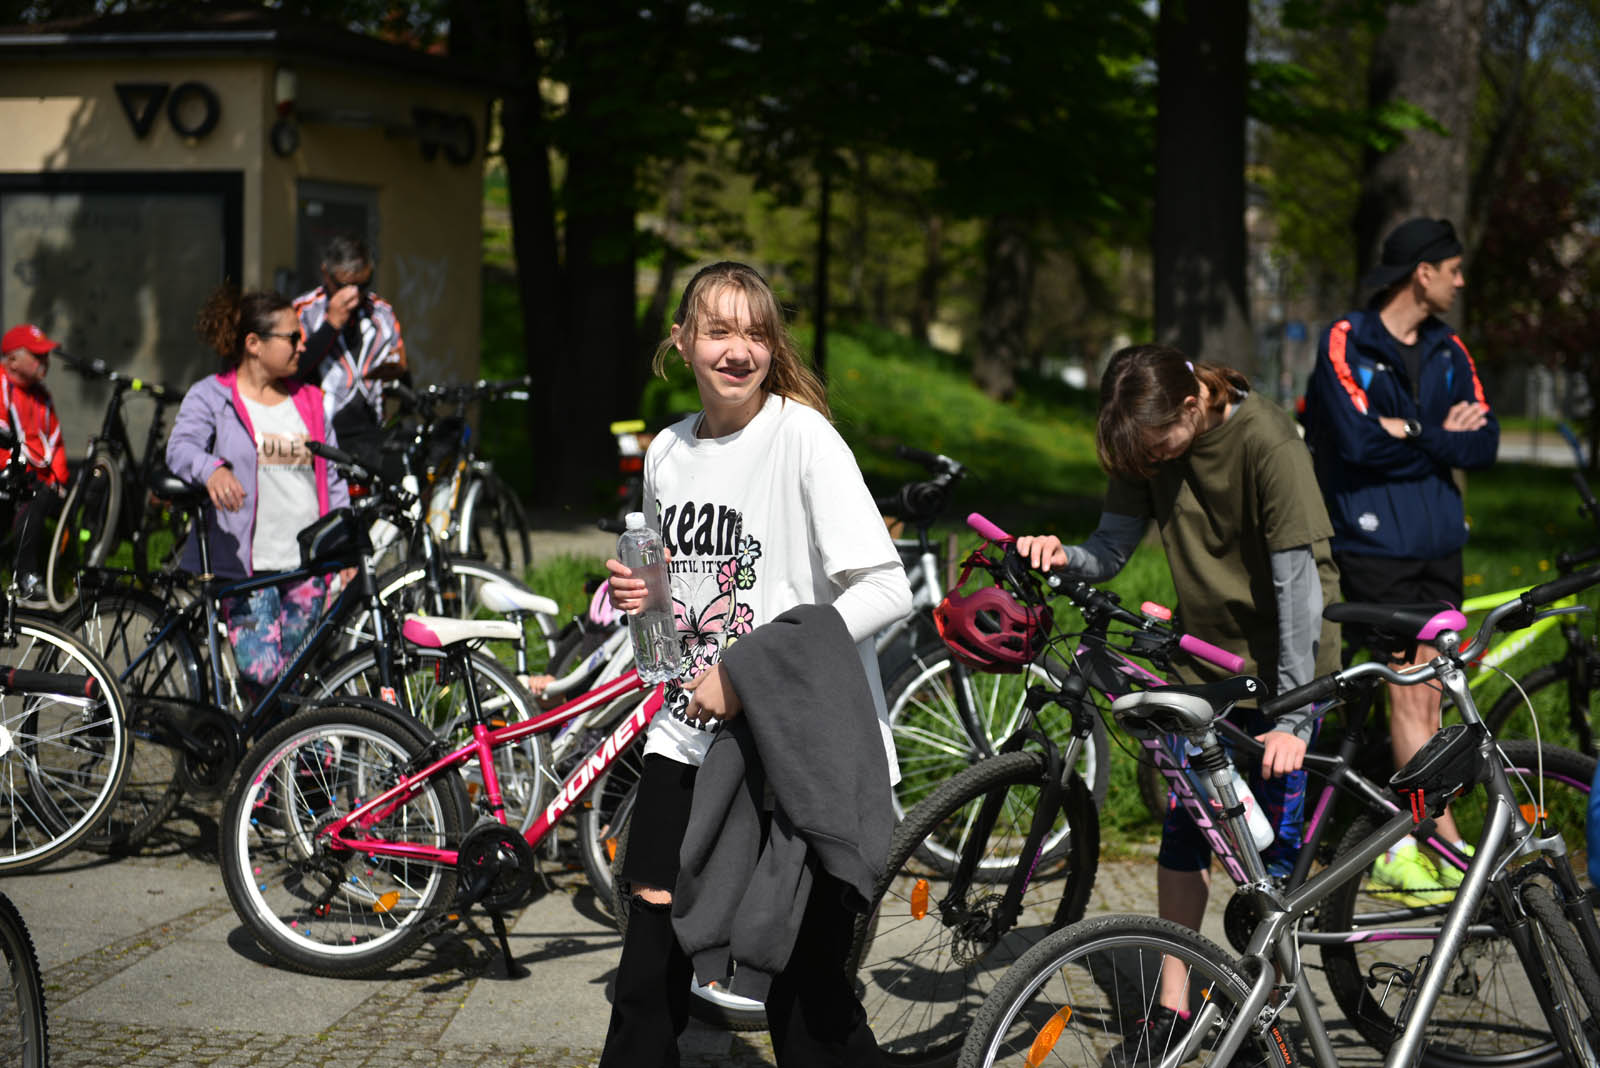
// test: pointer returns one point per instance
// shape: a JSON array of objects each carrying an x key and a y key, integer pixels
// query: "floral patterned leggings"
[{"x": 266, "y": 627}]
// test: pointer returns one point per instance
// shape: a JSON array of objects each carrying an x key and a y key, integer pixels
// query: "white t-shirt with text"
[
  {"x": 286, "y": 485},
  {"x": 757, "y": 522}
]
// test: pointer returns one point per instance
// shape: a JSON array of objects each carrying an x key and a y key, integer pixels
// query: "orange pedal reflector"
[
  {"x": 919, "y": 899},
  {"x": 611, "y": 849},
  {"x": 1048, "y": 1035},
  {"x": 387, "y": 901},
  {"x": 1533, "y": 813}
]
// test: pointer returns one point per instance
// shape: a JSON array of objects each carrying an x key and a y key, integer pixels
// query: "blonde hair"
[{"x": 789, "y": 375}]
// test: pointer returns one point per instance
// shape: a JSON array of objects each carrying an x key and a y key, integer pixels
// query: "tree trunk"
[
  {"x": 1201, "y": 302},
  {"x": 926, "y": 306},
  {"x": 499, "y": 38},
  {"x": 655, "y": 326},
  {"x": 1427, "y": 55},
  {"x": 819, "y": 337},
  {"x": 1007, "y": 294}
]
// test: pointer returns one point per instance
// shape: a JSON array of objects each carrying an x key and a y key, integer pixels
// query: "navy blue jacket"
[{"x": 1389, "y": 496}]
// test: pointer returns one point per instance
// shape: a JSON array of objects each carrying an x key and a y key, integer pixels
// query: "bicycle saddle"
[
  {"x": 1183, "y": 709},
  {"x": 504, "y": 599},
  {"x": 169, "y": 487},
  {"x": 437, "y": 632},
  {"x": 1420, "y": 621}
]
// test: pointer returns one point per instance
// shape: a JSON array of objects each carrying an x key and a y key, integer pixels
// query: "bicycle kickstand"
[{"x": 513, "y": 969}]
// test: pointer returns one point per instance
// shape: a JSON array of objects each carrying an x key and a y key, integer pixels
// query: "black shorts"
[
  {"x": 1395, "y": 580},
  {"x": 660, "y": 818}
]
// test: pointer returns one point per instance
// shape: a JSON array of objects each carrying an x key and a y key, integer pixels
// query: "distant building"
[{"x": 150, "y": 156}]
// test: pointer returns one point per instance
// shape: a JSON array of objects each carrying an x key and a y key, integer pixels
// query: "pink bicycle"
[{"x": 346, "y": 842}]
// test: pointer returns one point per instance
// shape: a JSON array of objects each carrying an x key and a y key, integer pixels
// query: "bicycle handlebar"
[
  {"x": 21, "y": 680},
  {"x": 97, "y": 368},
  {"x": 1094, "y": 600},
  {"x": 1511, "y": 615}
]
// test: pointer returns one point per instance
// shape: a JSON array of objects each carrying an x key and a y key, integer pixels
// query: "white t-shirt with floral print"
[{"x": 757, "y": 522}]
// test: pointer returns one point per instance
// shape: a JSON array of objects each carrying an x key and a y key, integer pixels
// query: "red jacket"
[{"x": 33, "y": 419}]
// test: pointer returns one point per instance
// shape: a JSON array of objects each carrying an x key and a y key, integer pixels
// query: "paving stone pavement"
[{"x": 146, "y": 965}]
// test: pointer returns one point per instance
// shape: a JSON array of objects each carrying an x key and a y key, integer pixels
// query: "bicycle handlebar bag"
[
  {"x": 1450, "y": 760},
  {"x": 338, "y": 539}
]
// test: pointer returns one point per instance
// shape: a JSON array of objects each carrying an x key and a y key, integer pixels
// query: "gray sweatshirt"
[{"x": 808, "y": 732}]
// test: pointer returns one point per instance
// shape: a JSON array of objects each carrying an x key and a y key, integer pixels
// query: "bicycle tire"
[
  {"x": 1077, "y": 997},
  {"x": 709, "y": 1004},
  {"x": 932, "y": 744},
  {"x": 1535, "y": 683},
  {"x": 66, "y": 754},
  {"x": 86, "y": 532},
  {"x": 1486, "y": 1012},
  {"x": 494, "y": 527},
  {"x": 24, "y": 1022},
  {"x": 923, "y": 961},
  {"x": 439, "y": 703},
  {"x": 121, "y": 625},
  {"x": 1571, "y": 974},
  {"x": 597, "y": 822},
  {"x": 323, "y": 912}
]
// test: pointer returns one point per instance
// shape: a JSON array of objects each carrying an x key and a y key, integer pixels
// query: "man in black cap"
[{"x": 1393, "y": 404}]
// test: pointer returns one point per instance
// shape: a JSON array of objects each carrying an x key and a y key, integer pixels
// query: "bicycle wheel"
[
  {"x": 1081, "y": 997},
  {"x": 24, "y": 1028},
  {"x": 1570, "y": 974},
  {"x": 708, "y": 1004},
  {"x": 430, "y": 691},
  {"x": 87, "y": 530},
  {"x": 493, "y": 525},
  {"x": 154, "y": 661},
  {"x": 320, "y": 910},
  {"x": 1555, "y": 697},
  {"x": 926, "y": 955},
  {"x": 1487, "y": 1010},
  {"x": 62, "y": 756},
  {"x": 932, "y": 744},
  {"x": 609, "y": 799}
]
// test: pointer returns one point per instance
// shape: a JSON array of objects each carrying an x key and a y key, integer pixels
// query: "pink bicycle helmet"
[{"x": 989, "y": 631}]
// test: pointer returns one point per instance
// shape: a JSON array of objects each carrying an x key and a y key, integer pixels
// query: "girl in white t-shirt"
[{"x": 762, "y": 507}]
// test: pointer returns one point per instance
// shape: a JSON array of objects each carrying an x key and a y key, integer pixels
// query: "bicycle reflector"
[{"x": 989, "y": 631}]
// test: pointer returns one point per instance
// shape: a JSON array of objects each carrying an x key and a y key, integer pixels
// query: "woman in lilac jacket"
[{"x": 242, "y": 434}]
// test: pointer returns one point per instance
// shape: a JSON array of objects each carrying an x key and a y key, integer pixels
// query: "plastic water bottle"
[
  {"x": 1260, "y": 829},
  {"x": 655, "y": 633}
]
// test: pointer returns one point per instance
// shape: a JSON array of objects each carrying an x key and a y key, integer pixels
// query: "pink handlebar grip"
[
  {"x": 986, "y": 528},
  {"x": 1206, "y": 651}
]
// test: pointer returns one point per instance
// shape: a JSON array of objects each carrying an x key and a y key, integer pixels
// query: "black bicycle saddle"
[{"x": 169, "y": 487}]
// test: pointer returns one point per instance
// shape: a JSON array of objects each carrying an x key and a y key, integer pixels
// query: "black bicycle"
[
  {"x": 190, "y": 717},
  {"x": 24, "y": 1029},
  {"x": 107, "y": 501}
]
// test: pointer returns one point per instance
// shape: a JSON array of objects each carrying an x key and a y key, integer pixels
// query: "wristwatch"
[{"x": 1413, "y": 428}]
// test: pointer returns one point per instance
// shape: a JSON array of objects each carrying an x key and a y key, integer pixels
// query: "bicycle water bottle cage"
[
  {"x": 1182, "y": 709},
  {"x": 338, "y": 539},
  {"x": 1451, "y": 759}
]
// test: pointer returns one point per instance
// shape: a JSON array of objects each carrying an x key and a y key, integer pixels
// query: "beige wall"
[{"x": 64, "y": 116}]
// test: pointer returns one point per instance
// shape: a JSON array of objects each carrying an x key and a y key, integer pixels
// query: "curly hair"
[
  {"x": 1142, "y": 394},
  {"x": 789, "y": 375},
  {"x": 229, "y": 316}
]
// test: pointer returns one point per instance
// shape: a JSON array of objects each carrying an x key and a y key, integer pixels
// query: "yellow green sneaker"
[
  {"x": 1449, "y": 874},
  {"x": 1410, "y": 879}
]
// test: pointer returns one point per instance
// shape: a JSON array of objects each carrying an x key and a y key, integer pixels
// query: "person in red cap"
[{"x": 32, "y": 417}]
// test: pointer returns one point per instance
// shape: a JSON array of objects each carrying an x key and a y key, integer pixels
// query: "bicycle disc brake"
[{"x": 972, "y": 930}]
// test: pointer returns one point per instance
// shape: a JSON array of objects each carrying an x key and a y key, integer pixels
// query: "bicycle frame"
[{"x": 343, "y": 834}]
